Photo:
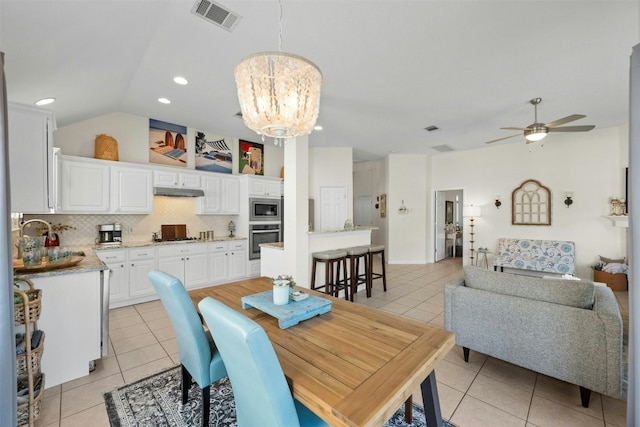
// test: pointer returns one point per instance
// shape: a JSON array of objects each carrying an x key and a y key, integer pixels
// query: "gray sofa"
[{"x": 569, "y": 330}]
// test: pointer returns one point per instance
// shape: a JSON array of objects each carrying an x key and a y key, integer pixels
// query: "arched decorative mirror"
[{"x": 531, "y": 204}]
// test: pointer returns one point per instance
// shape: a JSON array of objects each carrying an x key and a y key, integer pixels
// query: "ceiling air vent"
[
  {"x": 217, "y": 14},
  {"x": 443, "y": 148}
]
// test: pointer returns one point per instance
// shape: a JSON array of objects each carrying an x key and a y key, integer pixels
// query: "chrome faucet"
[{"x": 50, "y": 232}]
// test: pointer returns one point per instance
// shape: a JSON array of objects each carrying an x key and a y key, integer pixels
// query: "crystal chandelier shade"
[{"x": 279, "y": 93}]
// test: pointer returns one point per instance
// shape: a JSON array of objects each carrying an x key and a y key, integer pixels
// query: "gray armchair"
[{"x": 569, "y": 330}]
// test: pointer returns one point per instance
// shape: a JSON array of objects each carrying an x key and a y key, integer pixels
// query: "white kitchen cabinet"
[
  {"x": 132, "y": 190},
  {"x": 218, "y": 261},
  {"x": 227, "y": 261},
  {"x": 169, "y": 178},
  {"x": 116, "y": 260},
  {"x": 187, "y": 262},
  {"x": 84, "y": 185},
  {"x": 264, "y": 187},
  {"x": 237, "y": 260},
  {"x": 32, "y": 159},
  {"x": 141, "y": 262},
  {"x": 221, "y": 195}
]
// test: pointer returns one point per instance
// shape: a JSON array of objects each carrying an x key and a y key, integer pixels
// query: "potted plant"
[{"x": 282, "y": 288}]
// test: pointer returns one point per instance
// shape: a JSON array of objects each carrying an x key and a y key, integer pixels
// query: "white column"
[
  {"x": 296, "y": 201},
  {"x": 633, "y": 397}
]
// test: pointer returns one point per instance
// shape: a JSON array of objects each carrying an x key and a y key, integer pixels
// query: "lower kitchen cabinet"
[
  {"x": 116, "y": 260},
  {"x": 187, "y": 262},
  {"x": 227, "y": 261},
  {"x": 141, "y": 262},
  {"x": 195, "y": 264}
]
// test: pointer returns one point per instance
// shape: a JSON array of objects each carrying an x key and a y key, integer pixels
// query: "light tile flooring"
[{"x": 483, "y": 392}]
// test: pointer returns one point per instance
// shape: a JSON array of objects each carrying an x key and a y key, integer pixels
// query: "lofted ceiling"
[{"x": 390, "y": 68}]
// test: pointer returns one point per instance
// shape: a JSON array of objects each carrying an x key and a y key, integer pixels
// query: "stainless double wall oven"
[{"x": 265, "y": 220}]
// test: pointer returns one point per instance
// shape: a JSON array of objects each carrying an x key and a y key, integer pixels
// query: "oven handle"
[{"x": 276, "y": 230}]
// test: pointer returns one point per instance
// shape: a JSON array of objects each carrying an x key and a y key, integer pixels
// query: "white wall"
[
  {"x": 592, "y": 165},
  {"x": 132, "y": 134},
  {"x": 367, "y": 182},
  {"x": 407, "y": 233}
]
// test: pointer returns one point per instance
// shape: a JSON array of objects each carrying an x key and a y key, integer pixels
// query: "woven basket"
[
  {"x": 24, "y": 409},
  {"x": 106, "y": 148},
  {"x": 36, "y": 357},
  {"x": 33, "y": 298}
]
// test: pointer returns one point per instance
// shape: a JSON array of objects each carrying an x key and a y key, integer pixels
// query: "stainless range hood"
[{"x": 177, "y": 192}]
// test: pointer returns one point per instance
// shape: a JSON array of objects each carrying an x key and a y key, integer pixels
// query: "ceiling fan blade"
[
  {"x": 564, "y": 120},
  {"x": 584, "y": 128},
  {"x": 511, "y": 128},
  {"x": 500, "y": 139}
]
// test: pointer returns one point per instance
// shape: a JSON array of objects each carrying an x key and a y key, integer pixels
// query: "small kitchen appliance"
[{"x": 106, "y": 235}]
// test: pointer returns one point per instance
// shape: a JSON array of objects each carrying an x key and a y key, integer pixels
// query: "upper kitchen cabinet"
[
  {"x": 132, "y": 190},
  {"x": 170, "y": 178},
  {"x": 84, "y": 185},
  {"x": 264, "y": 187},
  {"x": 32, "y": 159},
  {"x": 221, "y": 195}
]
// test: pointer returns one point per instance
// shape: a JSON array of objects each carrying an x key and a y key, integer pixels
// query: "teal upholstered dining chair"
[
  {"x": 199, "y": 359},
  {"x": 260, "y": 389}
]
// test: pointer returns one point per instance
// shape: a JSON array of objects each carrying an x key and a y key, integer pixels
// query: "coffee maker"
[{"x": 106, "y": 235}]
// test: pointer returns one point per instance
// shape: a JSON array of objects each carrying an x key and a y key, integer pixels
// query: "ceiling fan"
[{"x": 536, "y": 131}]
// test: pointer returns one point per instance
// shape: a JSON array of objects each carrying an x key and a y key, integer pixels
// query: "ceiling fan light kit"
[{"x": 537, "y": 131}]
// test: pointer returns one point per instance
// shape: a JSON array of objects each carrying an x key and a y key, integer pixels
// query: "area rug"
[{"x": 155, "y": 402}]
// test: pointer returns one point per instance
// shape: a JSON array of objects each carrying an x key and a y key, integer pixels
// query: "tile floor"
[{"x": 483, "y": 392}]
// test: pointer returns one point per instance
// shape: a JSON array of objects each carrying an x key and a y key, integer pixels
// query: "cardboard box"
[{"x": 617, "y": 282}]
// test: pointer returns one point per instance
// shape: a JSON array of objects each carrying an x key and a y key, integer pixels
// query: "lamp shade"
[
  {"x": 279, "y": 93},
  {"x": 471, "y": 211}
]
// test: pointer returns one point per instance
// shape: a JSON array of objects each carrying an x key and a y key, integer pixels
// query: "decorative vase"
[{"x": 281, "y": 294}]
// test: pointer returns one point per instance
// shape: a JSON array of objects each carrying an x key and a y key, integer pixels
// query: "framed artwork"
[
  {"x": 448, "y": 212},
  {"x": 383, "y": 205},
  {"x": 213, "y": 155},
  {"x": 531, "y": 204},
  {"x": 167, "y": 144},
  {"x": 251, "y": 159}
]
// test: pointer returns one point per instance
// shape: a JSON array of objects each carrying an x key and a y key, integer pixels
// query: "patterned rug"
[{"x": 155, "y": 402}]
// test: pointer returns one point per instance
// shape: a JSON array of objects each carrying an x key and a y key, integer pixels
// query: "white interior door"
[
  {"x": 333, "y": 207},
  {"x": 364, "y": 210},
  {"x": 439, "y": 232}
]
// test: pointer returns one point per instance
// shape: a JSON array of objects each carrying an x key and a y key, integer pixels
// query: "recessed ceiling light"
[
  {"x": 317, "y": 127},
  {"x": 164, "y": 100},
  {"x": 45, "y": 101},
  {"x": 180, "y": 80}
]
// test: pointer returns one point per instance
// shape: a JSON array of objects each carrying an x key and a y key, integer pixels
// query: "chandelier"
[{"x": 279, "y": 93}]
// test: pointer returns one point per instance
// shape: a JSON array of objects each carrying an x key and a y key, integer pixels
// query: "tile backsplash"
[{"x": 136, "y": 228}]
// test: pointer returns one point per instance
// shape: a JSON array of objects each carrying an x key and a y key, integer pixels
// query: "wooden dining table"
[{"x": 354, "y": 365}]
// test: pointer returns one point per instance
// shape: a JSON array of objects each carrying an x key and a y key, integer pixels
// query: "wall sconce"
[
  {"x": 568, "y": 201},
  {"x": 403, "y": 209},
  {"x": 498, "y": 203}
]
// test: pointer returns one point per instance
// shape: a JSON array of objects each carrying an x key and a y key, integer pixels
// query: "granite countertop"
[
  {"x": 91, "y": 262},
  {"x": 276, "y": 245},
  {"x": 142, "y": 244},
  {"x": 344, "y": 230}
]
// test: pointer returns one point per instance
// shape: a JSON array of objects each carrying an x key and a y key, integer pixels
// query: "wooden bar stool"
[
  {"x": 332, "y": 284},
  {"x": 354, "y": 254},
  {"x": 375, "y": 250}
]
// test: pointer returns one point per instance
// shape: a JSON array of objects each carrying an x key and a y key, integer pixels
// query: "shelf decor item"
[
  {"x": 282, "y": 289},
  {"x": 106, "y": 147}
]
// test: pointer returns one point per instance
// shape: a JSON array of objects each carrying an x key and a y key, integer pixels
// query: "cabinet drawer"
[
  {"x": 239, "y": 245},
  {"x": 112, "y": 257},
  {"x": 142, "y": 253},
  {"x": 178, "y": 250},
  {"x": 218, "y": 247}
]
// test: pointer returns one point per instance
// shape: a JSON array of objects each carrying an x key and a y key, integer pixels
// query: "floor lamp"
[{"x": 471, "y": 212}]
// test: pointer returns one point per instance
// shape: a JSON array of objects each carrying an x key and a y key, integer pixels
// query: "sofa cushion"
[{"x": 572, "y": 293}]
